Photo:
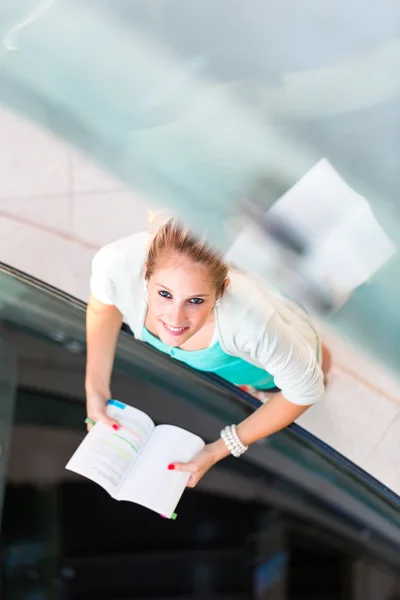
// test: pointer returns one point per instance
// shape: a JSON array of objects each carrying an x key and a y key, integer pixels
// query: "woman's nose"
[{"x": 177, "y": 315}]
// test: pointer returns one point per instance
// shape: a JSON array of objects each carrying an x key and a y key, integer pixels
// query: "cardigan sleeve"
[
  {"x": 101, "y": 280},
  {"x": 284, "y": 353},
  {"x": 273, "y": 333}
]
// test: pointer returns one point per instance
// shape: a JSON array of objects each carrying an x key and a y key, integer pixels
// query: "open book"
[{"x": 132, "y": 463}]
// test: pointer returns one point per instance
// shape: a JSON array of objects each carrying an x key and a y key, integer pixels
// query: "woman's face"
[{"x": 181, "y": 297}]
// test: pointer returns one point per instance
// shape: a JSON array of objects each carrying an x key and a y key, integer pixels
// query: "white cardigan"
[{"x": 252, "y": 321}]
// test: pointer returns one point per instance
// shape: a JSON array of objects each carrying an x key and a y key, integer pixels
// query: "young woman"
[{"x": 177, "y": 294}]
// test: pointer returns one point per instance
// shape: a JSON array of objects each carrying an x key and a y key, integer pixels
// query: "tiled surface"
[
  {"x": 384, "y": 461},
  {"x": 56, "y": 209},
  {"x": 62, "y": 262},
  {"x": 88, "y": 177},
  {"x": 32, "y": 163},
  {"x": 101, "y": 217},
  {"x": 357, "y": 363},
  {"x": 351, "y": 418},
  {"x": 49, "y": 212}
]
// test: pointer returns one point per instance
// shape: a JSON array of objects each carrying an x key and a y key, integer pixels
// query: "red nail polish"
[
  {"x": 115, "y": 427},
  {"x": 171, "y": 467}
]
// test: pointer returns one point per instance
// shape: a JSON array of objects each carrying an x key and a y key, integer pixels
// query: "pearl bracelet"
[{"x": 233, "y": 441}]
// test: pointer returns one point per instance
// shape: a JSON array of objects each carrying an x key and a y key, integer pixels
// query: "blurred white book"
[{"x": 342, "y": 243}]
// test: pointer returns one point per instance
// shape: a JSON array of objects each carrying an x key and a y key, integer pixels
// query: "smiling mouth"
[{"x": 174, "y": 330}]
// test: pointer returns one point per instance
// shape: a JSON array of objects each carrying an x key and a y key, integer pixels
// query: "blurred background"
[{"x": 274, "y": 127}]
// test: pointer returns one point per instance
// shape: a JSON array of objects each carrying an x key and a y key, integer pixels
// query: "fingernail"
[
  {"x": 115, "y": 427},
  {"x": 171, "y": 467}
]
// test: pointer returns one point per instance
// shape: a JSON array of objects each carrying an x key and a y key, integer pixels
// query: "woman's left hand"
[{"x": 199, "y": 466}]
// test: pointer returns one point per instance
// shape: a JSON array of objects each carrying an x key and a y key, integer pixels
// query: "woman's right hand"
[
  {"x": 103, "y": 323},
  {"x": 96, "y": 404}
]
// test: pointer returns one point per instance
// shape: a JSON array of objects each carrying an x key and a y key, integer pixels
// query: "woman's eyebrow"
[
  {"x": 164, "y": 287},
  {"x": 200, "y": 296}
]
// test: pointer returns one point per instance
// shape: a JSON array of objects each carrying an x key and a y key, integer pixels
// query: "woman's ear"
[
  {"x": 226, "y": 285},
  {"x": 144, "y": 273}
]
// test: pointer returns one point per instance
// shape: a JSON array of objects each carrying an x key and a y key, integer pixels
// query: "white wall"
[{"x": 56, "y": 209}]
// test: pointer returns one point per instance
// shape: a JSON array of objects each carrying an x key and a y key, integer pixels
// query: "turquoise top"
[{"x": 215, "y": 360}]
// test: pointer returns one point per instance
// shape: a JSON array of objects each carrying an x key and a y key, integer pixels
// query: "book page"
[
  {"x": 317, "y": 203},
  {"x": 106, "y": 456},
  {"x": 329, "y": 214},
  {"x": 150, "y": 483},
  {"x": 359, "y": 244},
  {"x": 343, "y": 244}
]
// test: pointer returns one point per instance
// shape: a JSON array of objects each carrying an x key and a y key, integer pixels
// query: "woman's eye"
[
  {"x": 164, "y": 294},
  {"x": 196, "y": 301}
]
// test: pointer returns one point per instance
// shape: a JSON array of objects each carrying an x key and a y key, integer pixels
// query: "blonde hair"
[{"x": 172, "y": 238}]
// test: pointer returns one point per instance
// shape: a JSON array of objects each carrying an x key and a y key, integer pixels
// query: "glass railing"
[
  {"x": 303, "y": 459},
  {"x": 251, "y": 525}
]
